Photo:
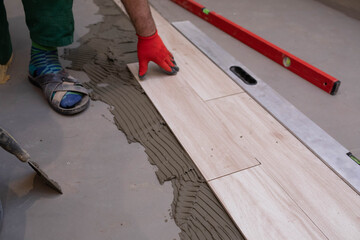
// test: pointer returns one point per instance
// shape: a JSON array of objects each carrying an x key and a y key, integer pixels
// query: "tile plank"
[
  {"x": 202, "y": 135},
  {"x": 326, "y": 199},
  {"x": 261, "y": 208},
  {"x": 206, "y": 79}
]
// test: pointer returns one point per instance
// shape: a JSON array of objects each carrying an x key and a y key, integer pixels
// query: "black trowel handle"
[{"x": 8, "y": 143}]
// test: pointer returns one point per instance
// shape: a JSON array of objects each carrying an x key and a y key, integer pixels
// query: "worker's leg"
[
  {"x": 51, "y": 25},
  {"x": 5, "y": 44},
  {"x": 50, "y": 22}
]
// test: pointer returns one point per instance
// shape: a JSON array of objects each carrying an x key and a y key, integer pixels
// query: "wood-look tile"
[
  {"x": 326, "y": 199},
  {"x": 202, "y": 135},
  {"x": 261, "y": 208},
  {"x": 204, "y": 77}
]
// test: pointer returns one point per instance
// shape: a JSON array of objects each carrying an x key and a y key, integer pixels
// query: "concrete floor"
[
  {"x": 110, "y": 188},
  {"x": 111, "y": 191}
]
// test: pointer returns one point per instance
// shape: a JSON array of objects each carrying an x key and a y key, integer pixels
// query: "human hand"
[{"x": 153, "y": 49}]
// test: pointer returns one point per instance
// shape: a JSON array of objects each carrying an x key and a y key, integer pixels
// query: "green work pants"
[{"x": 50, "y": 22}]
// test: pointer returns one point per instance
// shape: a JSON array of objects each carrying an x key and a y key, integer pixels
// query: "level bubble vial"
[{"x": 286, "y": 62}]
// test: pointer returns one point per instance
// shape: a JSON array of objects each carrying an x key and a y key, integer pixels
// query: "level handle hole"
[{"x": 243, "y": 75}]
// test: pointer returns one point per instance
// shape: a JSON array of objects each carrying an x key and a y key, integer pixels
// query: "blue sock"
[{"x": 45, "y": 60}]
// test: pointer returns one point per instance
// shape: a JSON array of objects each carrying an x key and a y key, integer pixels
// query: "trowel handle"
[{"x": 8, "y": 143}]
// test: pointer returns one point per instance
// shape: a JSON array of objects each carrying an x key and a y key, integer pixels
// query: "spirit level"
[{"x": 310, "y": 73}]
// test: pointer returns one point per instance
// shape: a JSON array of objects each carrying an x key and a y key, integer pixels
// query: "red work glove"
[{"x": 153, "y": 49}]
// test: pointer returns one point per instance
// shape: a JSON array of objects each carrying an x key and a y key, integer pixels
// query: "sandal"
[{"x": 60, "y": 83}]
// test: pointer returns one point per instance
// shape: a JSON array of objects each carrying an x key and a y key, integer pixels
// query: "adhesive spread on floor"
[{"x": 103, "y": 55}]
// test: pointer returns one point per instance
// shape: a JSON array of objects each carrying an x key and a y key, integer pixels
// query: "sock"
[{"x": 45, "y": 60}]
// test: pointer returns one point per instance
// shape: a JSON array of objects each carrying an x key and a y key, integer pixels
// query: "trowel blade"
[{"x": 54, "y": 185}]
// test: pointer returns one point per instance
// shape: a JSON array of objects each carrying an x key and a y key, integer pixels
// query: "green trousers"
[{"x": 50, "y": 22}]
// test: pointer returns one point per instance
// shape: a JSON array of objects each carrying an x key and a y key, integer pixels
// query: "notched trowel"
[
  {"x": 51, "y": 183},
  {"x": 8, "y": 143}
]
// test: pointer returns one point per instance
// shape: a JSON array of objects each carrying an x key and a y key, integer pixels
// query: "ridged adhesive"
[{"x": 103, "y": 55}]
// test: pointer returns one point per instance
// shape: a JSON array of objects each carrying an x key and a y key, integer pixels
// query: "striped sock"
[{"x": 45, "y": 60}]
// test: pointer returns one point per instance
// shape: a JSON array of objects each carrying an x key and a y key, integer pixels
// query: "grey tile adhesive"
[{"x": 103, "y": 55}]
